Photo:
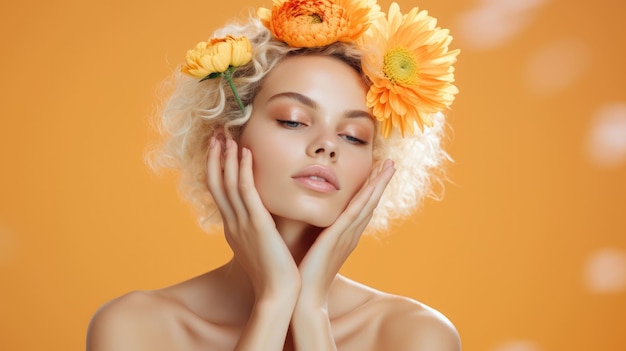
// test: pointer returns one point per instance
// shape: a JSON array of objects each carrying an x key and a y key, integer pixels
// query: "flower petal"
[
  {"x": 414, "y": 76},
  {"x": 217, "y": 56},
  {"x": 312, "y": 23}
]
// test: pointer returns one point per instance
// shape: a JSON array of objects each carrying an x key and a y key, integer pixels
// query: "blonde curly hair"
[{"x": 193, "y": 112}]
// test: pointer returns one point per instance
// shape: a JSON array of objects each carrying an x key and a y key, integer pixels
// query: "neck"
[{"x": 297, "y": 236}]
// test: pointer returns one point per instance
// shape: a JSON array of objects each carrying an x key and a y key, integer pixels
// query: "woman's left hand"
[
  {"x": 331, "y": 249},
  {"x": 310, "y": 323}
]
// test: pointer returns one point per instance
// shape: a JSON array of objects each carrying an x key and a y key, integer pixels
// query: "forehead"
[{"x": 325, "y": 79}]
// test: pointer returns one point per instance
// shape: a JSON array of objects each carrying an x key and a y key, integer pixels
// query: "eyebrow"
[{"x": 307, "y": 101}]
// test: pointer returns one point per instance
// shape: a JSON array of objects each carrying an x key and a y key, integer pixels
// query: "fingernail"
[
  {"x": 244, "y": 152},
  {"x": 212, "y": 143}
]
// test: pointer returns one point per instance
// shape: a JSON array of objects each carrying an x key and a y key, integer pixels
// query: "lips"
[{"x": 318, "y": 177}]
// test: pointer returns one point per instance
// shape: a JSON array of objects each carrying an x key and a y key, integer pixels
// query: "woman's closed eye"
[
  {"x": 290, "y": 124},
  {"x": 353, "y": 139}
]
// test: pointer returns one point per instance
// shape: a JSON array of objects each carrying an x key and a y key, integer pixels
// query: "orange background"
[{"x": 527, "y": 252}]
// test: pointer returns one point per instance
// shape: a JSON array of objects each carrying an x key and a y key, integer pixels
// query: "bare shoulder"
[
  {"x": 395, "y": 322},
  {"x": 410, "y": 325},
  {"x": 134, "y": 321}
]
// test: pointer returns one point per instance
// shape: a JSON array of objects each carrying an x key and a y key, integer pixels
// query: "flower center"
[
  {"x": 400, "y": 66},
  {"x": 315, "y": 18}
]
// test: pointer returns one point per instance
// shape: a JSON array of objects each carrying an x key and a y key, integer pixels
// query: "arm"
[{"x": 267, "y": 327}]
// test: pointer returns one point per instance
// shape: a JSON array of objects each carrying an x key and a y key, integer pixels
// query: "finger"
[
  {"x": 249, "y": 194},
  {"x": 260, "y": 218},
  {"x": 381, "y": 181},
  {"x": 231, "y": 179},
  {"x": 367, "y": 202},
  {"x": 372, "y": 190},
  {"x": 215, "y": 181},
  {"x": 376, "y": 169},
  {"x": 359, "y": 210}
]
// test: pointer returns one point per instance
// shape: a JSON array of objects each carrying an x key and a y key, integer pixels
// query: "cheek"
[
  {"x": 359, "y": 171},
  {"x": 271, "y": 160}
]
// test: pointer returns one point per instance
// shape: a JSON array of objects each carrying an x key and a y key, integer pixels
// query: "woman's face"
[{"x": 311, "y": 137}]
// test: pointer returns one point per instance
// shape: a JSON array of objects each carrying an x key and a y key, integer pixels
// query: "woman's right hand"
[{"x": 248, "y": 226}]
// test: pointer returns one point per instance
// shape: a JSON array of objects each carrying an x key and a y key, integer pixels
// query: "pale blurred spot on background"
[
  {"x": 517, "y": 345},
  {"x": 532, "y": 220},
  {"x": 494, "y": 22},
  {"x": 605, "y": 271},
  {"x": 555, "y": 67},
  {"x": 8, "y": 245},
  {"x": 606, "y": 146}
]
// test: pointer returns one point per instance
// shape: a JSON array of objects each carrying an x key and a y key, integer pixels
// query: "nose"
[{"x": 324, "y": 146}]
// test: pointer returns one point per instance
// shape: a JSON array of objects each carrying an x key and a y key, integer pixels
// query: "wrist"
[
  {"x": 311, "y": 328},
  {"x": 312, "y": 302},
  {"x": 285, "y": 295},
  {"x": 308, "y": 308}
]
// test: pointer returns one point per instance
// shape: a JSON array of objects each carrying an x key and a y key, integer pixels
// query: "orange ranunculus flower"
[
  {"x": 407, "y": 59},
  {"x": 311, "y": 23},
  {"x": 217, "y": 55}
]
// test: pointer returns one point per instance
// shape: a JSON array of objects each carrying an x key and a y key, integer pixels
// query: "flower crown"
[{"x": 405, "y": 56}]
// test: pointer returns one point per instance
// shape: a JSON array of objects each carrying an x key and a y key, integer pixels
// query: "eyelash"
[
  {"x": 294, "y": 125},
  {"x": 290, "y": 124},
  {"x": 354, "y": 140}
]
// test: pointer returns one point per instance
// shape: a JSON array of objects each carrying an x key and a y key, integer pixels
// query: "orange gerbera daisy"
[
  {"x": 407, "y": 59},
  {"x": 311, "y": 23}
]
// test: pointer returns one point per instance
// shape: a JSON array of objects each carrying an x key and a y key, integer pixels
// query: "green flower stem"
[{"x": 228, "y": 75}]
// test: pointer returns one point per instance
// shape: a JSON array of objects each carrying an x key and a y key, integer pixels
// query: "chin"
[
  {"x": 321, "y": 223},
  {"x": 318, "y": 219}
]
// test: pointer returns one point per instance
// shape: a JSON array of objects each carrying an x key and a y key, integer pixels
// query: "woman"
[{"x": 285, "y": 138}]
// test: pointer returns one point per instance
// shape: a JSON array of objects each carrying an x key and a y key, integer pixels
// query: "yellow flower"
[
  {"x": 311, "y": 23},
  {"x": 407, "y": 59},
  {"x": 217, "y": 56}
]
